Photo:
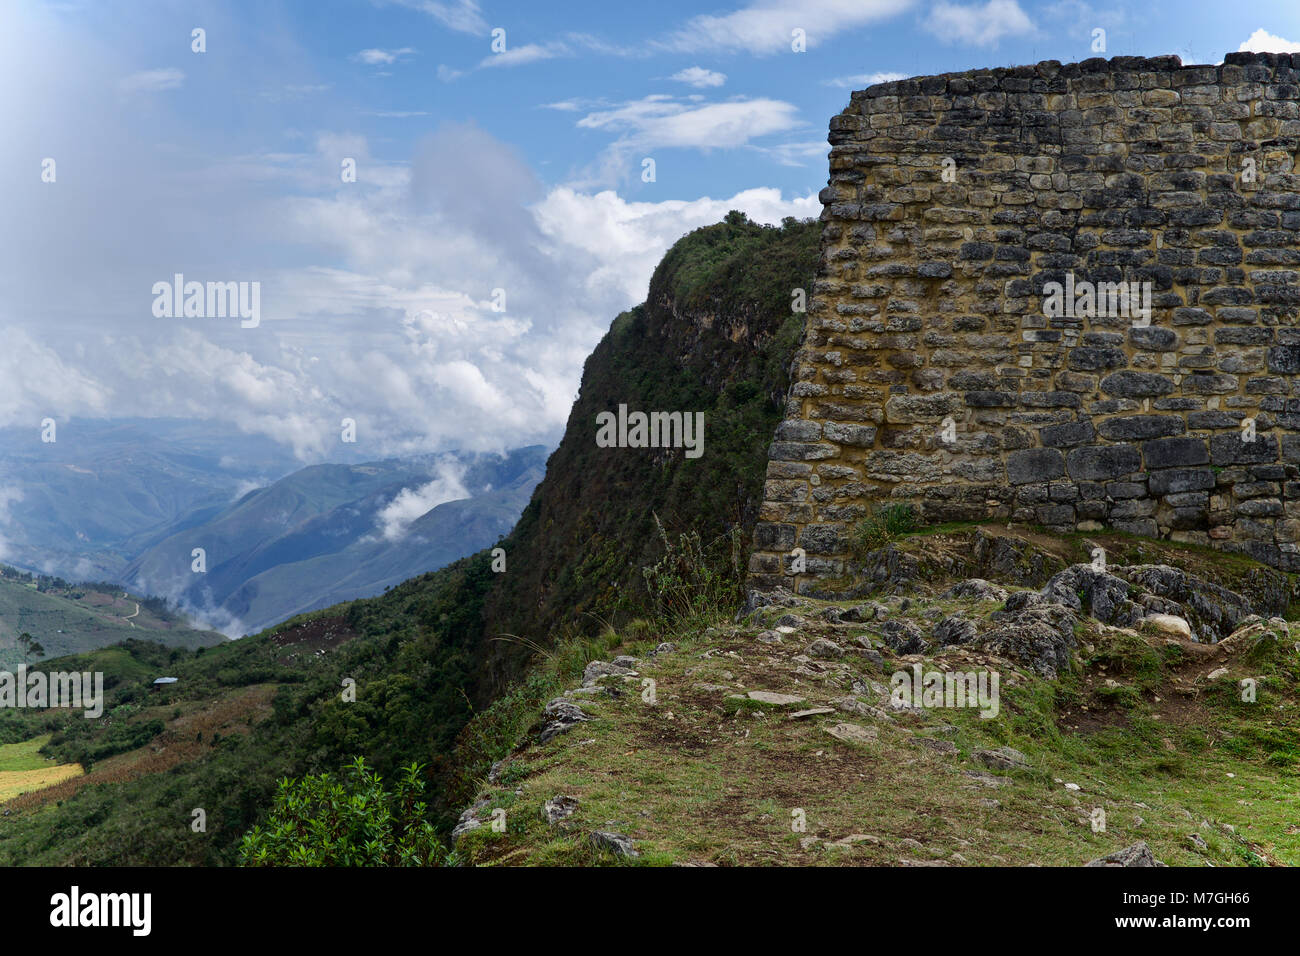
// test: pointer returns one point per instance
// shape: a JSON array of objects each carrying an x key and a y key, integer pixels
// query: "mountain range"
[
  {"x": 129, "y": 501},
  {"x": 331, "y": 533}
]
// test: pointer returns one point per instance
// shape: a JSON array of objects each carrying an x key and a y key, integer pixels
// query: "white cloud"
[
  {"x": 699, "y": 77},
  {"x": 1261, "y": 41},
  {"x": 980, "y": 26},
  {"x": 464, "y": 16},
  {"x": 627, "y": 239},
  {"x": 409, "y": 504},
  {"x": 152, "y": 81},
  {"x": 376, "y": 295},
  {"x": 860, "y": 81},
  {"x": 765, "y": 26},
  {"x": 661, "y": 121},
  {"x": 375, "y": 57},
  {"x": 447, "y": 74},
  {"x": 528, "y": 53}
]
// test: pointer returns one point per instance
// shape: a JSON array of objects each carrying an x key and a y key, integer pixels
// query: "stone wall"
[{"x": 931, "y": 372}]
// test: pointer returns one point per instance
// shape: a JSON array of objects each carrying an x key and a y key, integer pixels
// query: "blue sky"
[{"x": 476, "y": 170}]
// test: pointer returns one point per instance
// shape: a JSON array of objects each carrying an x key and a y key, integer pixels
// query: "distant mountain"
[
  {"x": 73, "y": 618},
  {"x": 331, "y": 533},
  {"x": 83, "y": 505},
  {"x": 129, "y": 500}
]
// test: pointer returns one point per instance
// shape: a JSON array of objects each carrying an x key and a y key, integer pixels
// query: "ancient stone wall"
[{"x": 942, "y": 368}]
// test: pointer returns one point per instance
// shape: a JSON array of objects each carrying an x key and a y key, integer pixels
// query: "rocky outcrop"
[
  {"x": 560, "y": 716},
  {"x": 1139, "y": 854}
]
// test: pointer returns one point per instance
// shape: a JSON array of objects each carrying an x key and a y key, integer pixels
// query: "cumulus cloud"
[
  {"x": 978, "y": 25},
  {"x": 699, "y": 77},
  {"x": 379, "y": 297},
  {"x": 394, "y": 519},
  {"x": 1261, "y": 41}
]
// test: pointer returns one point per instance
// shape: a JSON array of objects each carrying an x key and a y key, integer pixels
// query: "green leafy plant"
[{"x": 350, "y": 820}]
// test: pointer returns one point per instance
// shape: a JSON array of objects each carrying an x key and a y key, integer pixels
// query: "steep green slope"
[{"x": 715, "y": 335}]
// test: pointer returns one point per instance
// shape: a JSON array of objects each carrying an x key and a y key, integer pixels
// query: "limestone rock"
[
  {"x": 560, "y": 716},
  {"x": 1139, "y": 854},
  {"x": 853, "y": 733},
  {"x": 614, "y": 843},
  {"x": 775, "y": 699},
  {"x": 1003, "y": 758},
  {"x": 823, "y": 649},
  {"x": 558, "y": 807},
  {"x": 1170, "y": 624},
  {"x": 598, "y": 669}
]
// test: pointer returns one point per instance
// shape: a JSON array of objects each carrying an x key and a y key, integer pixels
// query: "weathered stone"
[
  {"x": 775, "y": 699},
  {"x": 1127, "y": 384},
  {"x": 558, "y": 808},
  {"x": 1100, "y": 462},
  {"x": 1003, "y": 758},
  {"x": 854, "y": 733},
  {"x": 1139, "y": 854},
  {"x": 614, "y": 843},
  {"x": 1034, "y": 464},
  {"x": 595, "y": 670},
  {"x": 937, "y": 371},
  {"x": 560, "y": 716},
  {"x": 1139, "y": 427},
  {"x": 822, "y": 649},
  {"x": 1175, "y": 453}
]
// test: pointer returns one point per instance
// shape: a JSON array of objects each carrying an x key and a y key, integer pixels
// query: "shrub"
[
  {"x": 685, "y": 583},
  {"x": 320, "y": 820}
]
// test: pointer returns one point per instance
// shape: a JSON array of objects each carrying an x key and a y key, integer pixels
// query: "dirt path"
[{"x": 133, "y": 613}]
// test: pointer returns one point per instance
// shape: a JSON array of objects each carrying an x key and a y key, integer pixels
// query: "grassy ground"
[{"x": 1140, "y": 731}]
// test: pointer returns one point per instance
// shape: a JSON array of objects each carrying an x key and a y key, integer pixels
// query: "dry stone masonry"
[{"x": 941, "y": 369}]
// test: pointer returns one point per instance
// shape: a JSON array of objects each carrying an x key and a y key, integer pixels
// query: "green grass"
[
  {"x": 704, "y": 778},
  {"x": 24, "y": 755}
]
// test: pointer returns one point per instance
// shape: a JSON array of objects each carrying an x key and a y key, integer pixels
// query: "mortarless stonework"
[{"x": 952, "y": 201}]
